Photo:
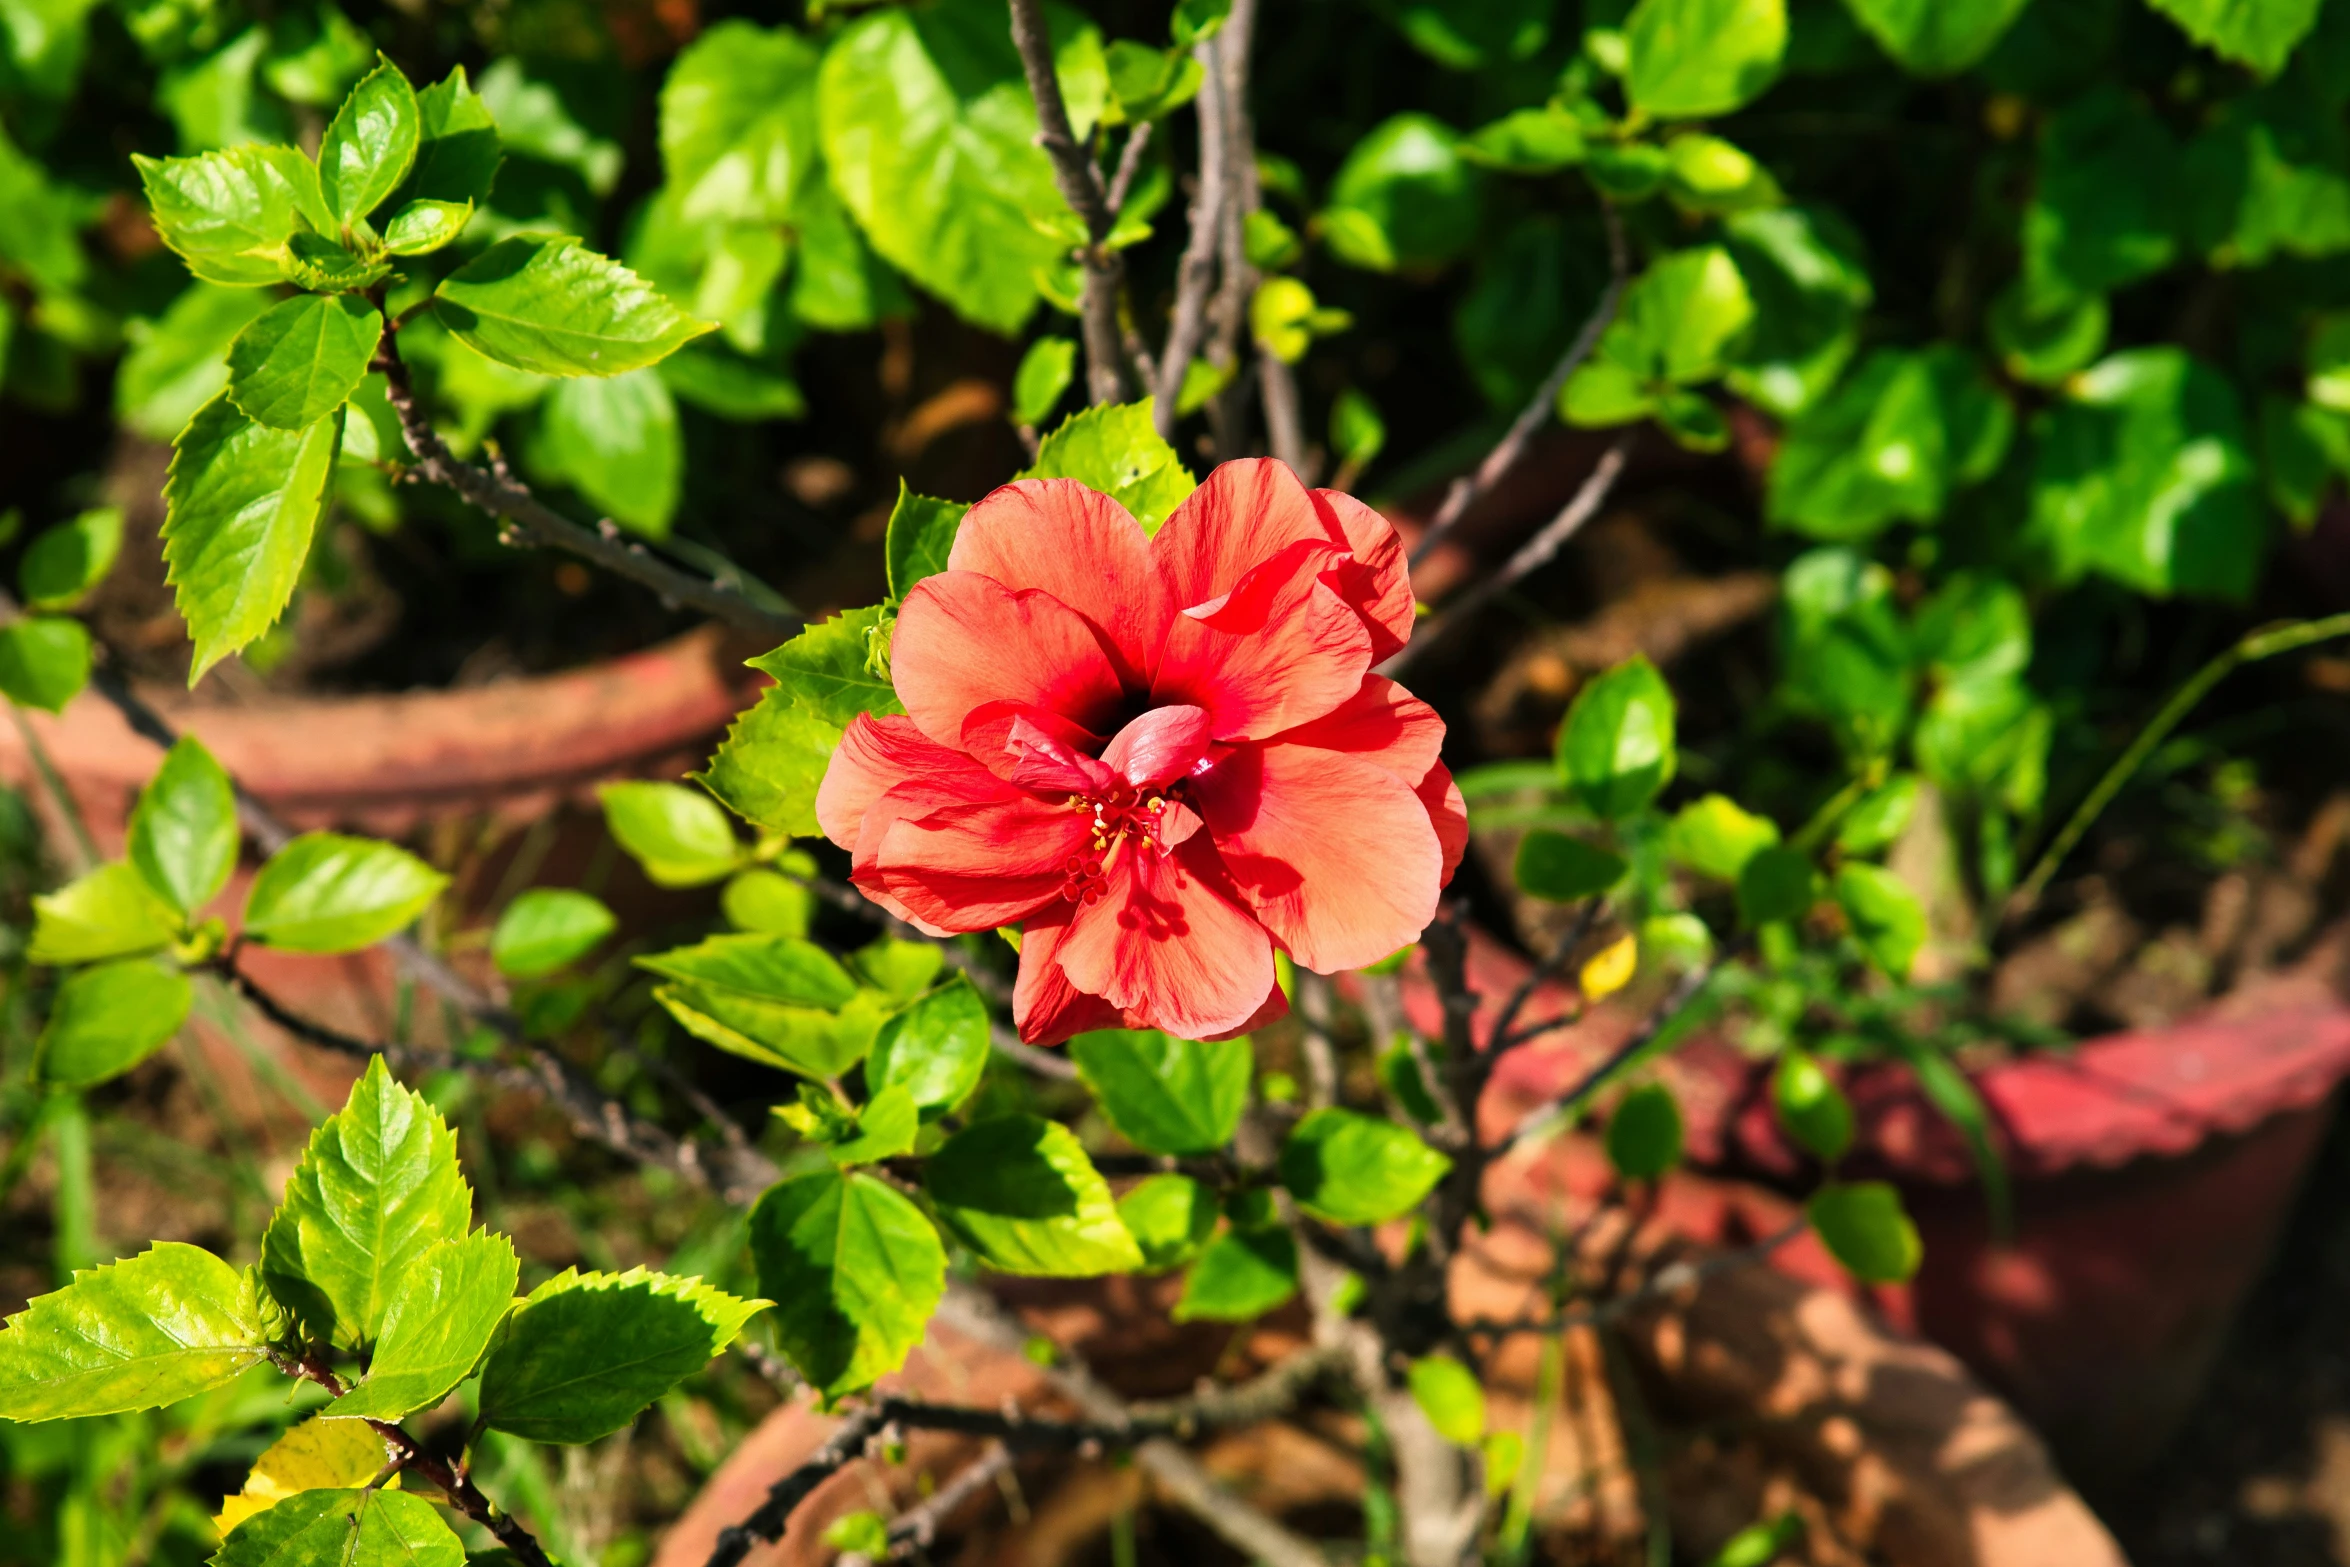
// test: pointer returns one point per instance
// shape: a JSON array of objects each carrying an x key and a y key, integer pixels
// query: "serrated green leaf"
[
  {"x": 302, "y": 360},
  {"x": 353, "y": 1528},
  {"x": 1165, "y": 1095},
  {"x": 905, "y": 969},
  {"x": 240, "y": 504},
  {"x": 110, "y": 912},
  {"x": 771, "y": 763},
  {"x": 165, "y": 1325},
  {"x": 1244, "y": 1273},
  {"x": 421, "y": 227},
  {"x": 774, "y": 999},
  {"x": 829, "y": 668},
  {"x": 370, "y": 144},
  {"x": 1687, "y": 59},
  {"x": 1114, "y": 448},
  {"x": 1864, "y": 1228},
  {"x": 1805, "y": 272},
  {"x": 935, "y": 1048},
  {"x": 1616, "y": 748},
  {"x": 108, "y": 1018},
  {"x": 457, "y": 145},
  {"x": 444, "y": 1309},
  {"x": 1170, "y": 1217},
  {"x": 314, "y": 262},
  {"x": 229, "y": 214},
  {"x": 376, "y": 1189},
  {"x": 856, "y": 1269},
  {"x": 325, "y": 892},
  {"x": 65, "y": 562},
  {"x": 44, "y": 661},
  {"x": 553, "y": 307},
  {"x": 887, "y": 1126},
  {"x": 1353, "y": 1169},
  {"x": 551, "y": 1375},
  {"x": 1449, "y": 1394},
  {"x": 738, "y": 122},
  {"x": 1565, "y": 869},
  {"x": 1680, "y": 324},
  {"x": 546, "y": 928},
  {"x": 1811, "y": 1106},
  {"x": 921, "y": 534},
  {"x": 678, "y": 835},
  {"x": 2258, "y": 33},
  {"x": 1644, "y": 1133},
  {"x": 183, "y": 831},
  {"x": 1020, "y": 1192},
  {"x": 1886, "y": 917}
]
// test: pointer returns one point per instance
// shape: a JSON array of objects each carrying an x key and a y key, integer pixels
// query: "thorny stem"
[{"x": 1081, "y": 186}]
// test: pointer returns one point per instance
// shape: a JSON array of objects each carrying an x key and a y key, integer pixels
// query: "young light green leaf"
[
  {"x": 1449, "y": 1394},
  {"x": 2258, "y": 33},
  {"x": 921, "y": 535},
  {"x": 1039, "y": 384},
  {"x": 616, "y": 440},
  {"x": 1878, "y": 818},
  {"x": 1115, "y": 449},
  {"x": 1165, "y": 1095},
  {"x": 1644, "y": 1133},
  {"x": 183, "y": 831},
  {"x": 551, "y": 1375},
  {"x": 65, "y": 562},
  {"x": 738, "y": 122},
  {"x": 553, "y": 307},
  {"x": 905, "y": 969},
  {"x": 44, "y": 661},
  {"x": 352, "y": 1528},
  {"x": 1864, "y": 1228},
  {"x": 546, "y": 928},
  {"x": 457, "y": 146},
  {"x": 370, "y": 144},
  {"x": 1886, "y": 917},
  {"x": 935, "y": 1048},
  {"x": 830, "y": 668},
  {"x": 768, "y": 903},
  {"x": 1404, "y": 197},
  {"x": 302, "y": 360},
  {"x": 422, "y": 227},
  {"x": 444, "y": 1309},
  {"x": 1715, "y": 836},
  {"x": 325, "y": 892},
  {"x": 1357, "y": 433},
  {"x": 240, "y": 503},
  {"x": 108, "y": 1018},
  {"x": 110, "y": 912},
  {"x": 1170, "y": 1218},
  {"x": 1020, "y": 1192},
  {"x": 773, "y": 999},
  {"x": 1811, "y": 1106},
  {"x": 314, "y": 262},
  {"x": 376, "y": 1189},
  {"x": 678, "y": 835},
  {"x": 165, "y": 1325},
  {"x": 856, "y": 1270},
  {"x": 1353, "y": 1169},
  {"x": 1565, "y": 869},
  {"x": 1244, "y": 1273},
  {"x": 772, "y": 762},
  {"x": 1687, "y": 59},
  {"x": 1616, "y": 748},
  {"x": 886, "y": 1128},
  {"x": 229, "y": 214}
]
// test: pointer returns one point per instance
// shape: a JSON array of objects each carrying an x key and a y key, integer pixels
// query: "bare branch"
[
  {"x": 1683, "y": 991},
  {"x": 1674, "y": 1278},
  {"x": 1464, "y": 490},
  {"x": 1196, "y": 274},
  {"x": 916, "y": 1530},
  {"x": 1276, "y": 383},
  {"x": 533, "y": 522},
  {"x": 1129, "y": 165},
  {"x": 768, "y": 1520},
  {"x": 1081, "y": 186}
]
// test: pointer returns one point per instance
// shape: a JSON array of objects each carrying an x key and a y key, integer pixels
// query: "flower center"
[{"x": 1119, "y": 814}]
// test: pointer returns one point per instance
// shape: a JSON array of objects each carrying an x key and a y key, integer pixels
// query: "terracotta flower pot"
[{"x": 2151, "y": 1172}]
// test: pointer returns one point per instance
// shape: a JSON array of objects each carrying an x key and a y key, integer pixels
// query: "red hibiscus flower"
[{"x": 1161, "y": 758}]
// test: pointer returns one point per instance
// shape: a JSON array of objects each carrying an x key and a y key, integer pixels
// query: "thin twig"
[
  {"x": 1195, "y": 275},
  {"x": 1129, "y": 165},
  {"x": 1531, "y": 556},
  {"x": 1081, "y": 187},
  {"x": 1465, "y": 490},
  {"x": 1276, "y": 383},
  {"x": 915, "y": 1530},
  {"x": 768, "y": 1520},
  {"x": 1673, "y": 1279},
  {"x": 1683, "y": 991}
]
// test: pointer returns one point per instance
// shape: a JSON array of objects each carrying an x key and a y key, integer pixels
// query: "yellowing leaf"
[
  {"x": 1610, "y": 969},
  {"x": 318, "y": 1454}
]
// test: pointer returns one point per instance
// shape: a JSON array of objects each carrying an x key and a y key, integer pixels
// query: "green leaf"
[
  {"x": 353, "y": 1528},
  {"x": 302, "y": 360},
  {"x": 319, "y": 264},
  {"x": 457, "y": 146},
  {"x": 935, "y": 1048},
  {"x": 2105, "y": 210},
  {"x": 774, "y": 999},
  {"x": 1707, "y": 175},
  {"x": 177, "y": 362},
  {"x": 325, "y": 892},
  {"x": 1148, "y": 83},
  {"x": 1528, "y": 141},
  {"x": 1449, "y": 1394},
  {"x": 1197, "y": 19},
  {"x": 551, "y": 1375},
  {"x": 1244, "y": 1273},
  {"x": 1761, "y": 1544},
  {"x": 110, "y": 912},
  {"x": 1616, "y": 747},
  {"x": 771, "y": 763},
  {"x": 905, "y": 969},
  {"x": 370, "y": 144},
  {"x": 1115, "y": 449},
  {"x": 2142, "y": 474},
  {"x": 831, "y": 670},
  {"x": 887, "y": 1127},
  {"x": 1886, "y": 917},
  {"x": 1936, "y": 37},
  {"x": 1776, "y": 884},
  {"x": 229, "y": 214},
  {"x": 314, "y": 54},
  {"x": 2047, "y": 344},
  {"x": 856, "y": 1271},
  {"x": 1644, "y": 1133},
  {"x": 64, "y": 563},
  {"x": 165, "y": 1325},
  {"x": 678, "y": 835},
  {"x": 240, "y": 503},
  {"x": 738, "y": 122},
  {"x": 1353, "y": 1169},
  {"x": 2270, "y": 174},
  {"x": 421, "y": 227},
  {"x": 108, "y": 1018},
  {"x": 1565, "y": 869},
  {"x": 553, "y": 307},
  {"x": 1811, "y": 1106},
  {"x": 1864, "y": 1228},
  {"x": 1691, "y": 58},
  {"x": 728, "y": 386},
  {"x": 1890, "y": 444},
  {"x": 768, "y": 903},
  {"x": 44, "y": 661},
  {"x": 929, "y": 138},
  {"x": 1037, "y": 388},
  {"x": 1404, "y": 197},
  {"x": 615, "y": 439},
  {"x": 1020, "y": 1192},
  {"x": 444, "y": 1309},
  {"x": 1166, "y": 1096},
  {"x": 376, "y": 1189},
  {"x": 1170, "y": 1218},
  {"x": 546, "y": 928},
  {"x": 1680, "y": 321},
  {"x": 921, "y": 534},
  {"x": 183, "y": 831},
  {"x": 1357, "y": 433},
  {"x": 1873, "y": 823},
  {"x": 2257, "y": 33},
  {"x": 1805, "y": 274},
  {"x": 1714, "y": 836}
]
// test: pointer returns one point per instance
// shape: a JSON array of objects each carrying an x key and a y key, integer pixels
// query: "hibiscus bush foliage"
[{"x": 1089, "y": 896}]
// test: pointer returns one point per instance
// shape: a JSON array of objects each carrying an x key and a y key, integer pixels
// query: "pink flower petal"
[
  {"x": 1169, "y": 947},
  {"x": 964, "y": 640},
  {"x": 1080, "y": 546}
]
